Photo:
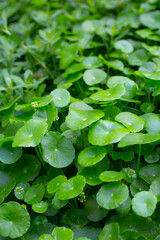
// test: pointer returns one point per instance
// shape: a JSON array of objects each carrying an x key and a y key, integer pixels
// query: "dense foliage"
[{"x": 80, "y": 122}]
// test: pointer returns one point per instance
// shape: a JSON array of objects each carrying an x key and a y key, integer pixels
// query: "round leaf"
[
  {"x": 153, "y": 124},
  {"x": 58, "y": 151},
  {"x": 131, "y": 121},
  {"x": 34, "y": 194},
  {"x": 94, "y": 76},
  {"x": 110, "y": 176},
  {"x": 81, "y": 116},
  {"x": 72, "y": 188},
  {"x": 91, "y": 155},
  {"x": 144, "y": 203},
  {"x": 150, "y": 172},
  {"x": 55, "y": 183},
  {"x": 151, "y": 19},
  {"x": 110, "y": 232},
  {"x": 112, "y": 195},
  {"x": 109, "y": 94},
  {"x": 14, "y": 220},
  {"x": 31, "y": 134},
  {"x": 9, "y": 155},
  {"x": 21, "y": 189},
  {"x": 7, "y": 183},
  {"x": 154, "y": 188},
  {"x": 60, "y": 233},
  {"x": 138, "y": 58},
  {"x": 91, "y": 175},
  {"x": 105, "y": 132},
  {"x": 61, "y": 97},
  {"x": 147, "y": 107},
  {"x": 40, "y": 207},
  {"x": 124, "y": 45}
]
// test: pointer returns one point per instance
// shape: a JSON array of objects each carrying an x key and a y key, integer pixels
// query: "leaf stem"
[
  {"x": 38, "y": 152},
  {"x": 138, "y": 162}
]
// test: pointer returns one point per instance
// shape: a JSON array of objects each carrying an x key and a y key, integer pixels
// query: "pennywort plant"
[{"x": 79, "y": 120}]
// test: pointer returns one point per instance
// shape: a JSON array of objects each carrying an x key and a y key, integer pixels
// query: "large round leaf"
[
  {"x": 155, "y": 189},
  {"x": 94, "y": 76},
  {"x": 153, "y": 124},
  {"x": 138, "y": 58},
  {"x": 14, "y": 220},
  {"x": 72, "y": 188},
  {"x": 9, "y": 155},
  {"x": 124, "y": 45},
  {"x": 144, "y": 203},
  {"x": 138, "y": 138},
  {"x": 112, "y": 195},
  {"x": 131, "y": 121},
  {"x": 110, "y": 232},
  {"x": 82, "y": 115},
  {"x": 61, "y": 97},
  {"x": 58, "y": 151},
  {"x": 31, "y": 134},
  {"x": 109, "y": 94},
  {"x": 150, "y": 172},
  {"x": 151, "y": 19},
  {"x": 106, "y": 132},
  {"x": 60, "y": 233},
  {"x": 110, "y": 176},
  {"x": 91, "y": 155},
  {"x": 129, "y": 85}
]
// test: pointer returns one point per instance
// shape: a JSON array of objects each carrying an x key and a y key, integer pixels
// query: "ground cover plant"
[{"x": 79, "y": 120}]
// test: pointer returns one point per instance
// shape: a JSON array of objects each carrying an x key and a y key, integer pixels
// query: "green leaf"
[
  {"x": 138, "y": 138},
  {"x": 94, "y": 76},
  {"x": 147, "y": 107},
  {"x": 31, "y": 134},
  {"x": 111, "y": 176},
  {"x": 57, "y": 203},
  {"x": 154, "y": 188},
  {"x": 150, "y": 172},
  {"x": 124, "y": 208},
  {"x": 91, "y": 155},
  {"x": 112, "y": 195},
  {"x": 129, "y": 85},
  {"x": 72, "y": 188},
  {"x": 82, "y": 115},
  {"x": 124, "y": 45},
  {"x": 9, "y": 155},
  {"x": 110, "y": 94},
  {"x": 105, "y": 132},
  {"x": 151, "y": 19},
  {"x": 152, "y": 124},
  {"x": 14, "y": 220},
  {"x": 110, "y": 232},
  {"x": 7, "y": 183},
  {"x": 61, "y": 97},
  {"x": 21, "y": 189},
  {"x": 131, "y": 121},
  {"x": 34, "y": 194},
  {"x": 40, "y": 207},
  {"x": 58, "y": 151},
  {"x": 55, "y": 183},
  {"x": 144, "y": 203},
  {"x": 138, "y": 58},
  {"x": 68, "y": 55},
  {"x": 91, "y": 175},
  {"x": 60, "y": 233}
]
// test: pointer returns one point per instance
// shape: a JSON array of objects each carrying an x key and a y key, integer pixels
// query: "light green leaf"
[
  {"x": 153, "y": 124},
  {"x": 61, "y": 97},
  {"x": 94, "y": 76},
  {"x": 60, "y": 233},
  {"x": 55, "y": 183},
  {"x": 34, "y": 194},
  {"x": 40, "y": 207},
  {"x": 110, "y": 232},
  {"x": 138, "y": 58},
  {"x": 144, "y": 203},
  {"x": 154, "y": 188},
  {"x": 111, "y": 176},
  {"x": 124, "y": 45},
  {"x": 58, "y": 151},
  {"x": 151, "y": 19},
  {"x": 31, "y": 134},
  {"x": 68, "y": 55},
  {"x": 9, "y": 155}
]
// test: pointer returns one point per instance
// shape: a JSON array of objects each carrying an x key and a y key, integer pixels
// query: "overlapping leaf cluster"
[{"x": 80, "y": 122}]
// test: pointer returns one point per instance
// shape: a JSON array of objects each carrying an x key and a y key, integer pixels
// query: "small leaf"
[
  {"x": 91, "y": 155},
  {"x": 144, "y": 203},
  {"x": 110, "y": 232},
  {"x": 9, "y": 155},
  {"x": 21, "y": 189},
  {"x": 34, "y": 194},
  {"x": 138, "y": 58},
  {"x": 55, "y": 183},
  {"x": 112, "y": 195},
  {"x": 68, "y": 55},
  {"x": 124, "y": 45},
  {"x": 40, "y": 207},
  {"x": 150, "y": 172},
  {"x": 154, "y": 188},
  {"x": 72, "y": 188},
  {"x": 31, "y": 134},
  {"x": 91, "y": 175},
  {"x": 111, "y": 176},
  {"x": 14, "y": 220},
  {"x": 110, "y": 94},
  {"x": 153, "y": 124},
  {"x": 58, "y": 151},
  {"x": 60, "y": 233},
  {"x": 94, "y": 76},
  {"x": 61, "y": 97},
  {"x": 131, "y": 121}
]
